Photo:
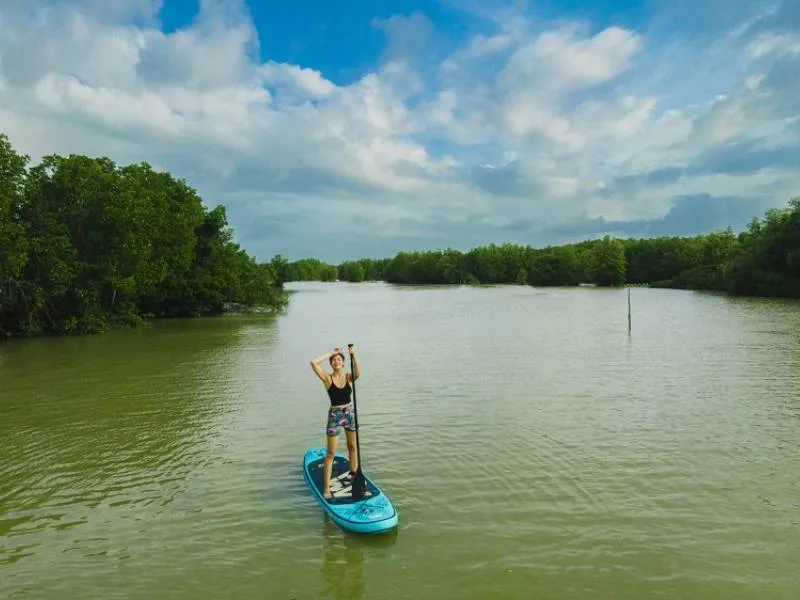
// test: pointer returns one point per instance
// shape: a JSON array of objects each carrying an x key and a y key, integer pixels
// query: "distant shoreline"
[{"x": 763, "y": 260}]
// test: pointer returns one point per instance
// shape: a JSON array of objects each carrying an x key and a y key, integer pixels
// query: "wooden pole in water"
[{"x": 629, "y": 309}]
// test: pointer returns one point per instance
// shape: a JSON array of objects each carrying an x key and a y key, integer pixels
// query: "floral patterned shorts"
[{"x": 340, "y": 416}]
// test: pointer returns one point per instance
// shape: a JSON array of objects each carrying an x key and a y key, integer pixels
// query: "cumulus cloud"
[
  {"x": 525, "y": 131},
  {"x": 407, "y": 36}
]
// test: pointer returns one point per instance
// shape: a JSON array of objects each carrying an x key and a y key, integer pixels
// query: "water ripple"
[{"x": 532, "y": 446}]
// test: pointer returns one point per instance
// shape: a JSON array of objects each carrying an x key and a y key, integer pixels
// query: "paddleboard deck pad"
[{"x": 374, "y": 513}]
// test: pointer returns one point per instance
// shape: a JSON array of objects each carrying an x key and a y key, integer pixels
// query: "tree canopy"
[{"x": 86, "y": 245}]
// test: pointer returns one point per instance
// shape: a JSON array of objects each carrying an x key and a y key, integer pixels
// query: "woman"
[{"x": 340, "y": 413}]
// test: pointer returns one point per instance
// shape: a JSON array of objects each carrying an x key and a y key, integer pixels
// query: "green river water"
[{"x": 534, "y": 448}]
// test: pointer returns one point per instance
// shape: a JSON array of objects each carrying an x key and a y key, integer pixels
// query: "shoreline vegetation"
[
  {"x": 763, "y": 260},
  {"x": 87, "y": 245}
]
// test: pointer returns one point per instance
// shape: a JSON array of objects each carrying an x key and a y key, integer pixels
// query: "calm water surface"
[{"x": 533, "y": 447}]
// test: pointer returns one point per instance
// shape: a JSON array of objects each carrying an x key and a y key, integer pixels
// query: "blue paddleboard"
[{"x": 374, "y": 513}]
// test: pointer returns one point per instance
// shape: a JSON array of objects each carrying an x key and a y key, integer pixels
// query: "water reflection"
[
  {"x": 342, "y": 567},
  {"x": 343, "y": 559}
]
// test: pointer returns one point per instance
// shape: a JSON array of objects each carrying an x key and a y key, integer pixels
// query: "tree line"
[
  {"x": 87, "y": 245},
  {"x": 763, "y": 260}
]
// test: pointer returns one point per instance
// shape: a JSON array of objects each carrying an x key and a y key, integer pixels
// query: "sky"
[{"x": 352, "y": 128}]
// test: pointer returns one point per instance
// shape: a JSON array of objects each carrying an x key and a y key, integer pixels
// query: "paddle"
[{"x": 359, "y": 488}]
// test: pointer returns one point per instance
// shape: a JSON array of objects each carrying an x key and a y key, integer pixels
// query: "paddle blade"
[{"x": 359, "y": 485}]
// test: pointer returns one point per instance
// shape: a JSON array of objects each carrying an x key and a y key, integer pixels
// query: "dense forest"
[
  {"x": 763, "y": 260},
  {"x": 87, "y": 245}
]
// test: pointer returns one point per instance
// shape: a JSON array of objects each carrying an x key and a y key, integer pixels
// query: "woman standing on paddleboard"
[{"x": 340, "y": 413}]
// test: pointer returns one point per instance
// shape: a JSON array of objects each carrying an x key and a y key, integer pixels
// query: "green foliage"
[
  {"x": 606, "y": 262},
  {"x": 764, "y": 260},
  {"x": 86, "y": 245},
  {"x": 313, "y": 269},
  {"x": 365, "y": 269},
  {"x": 310, "y": 269},
  {"x": 768, "y": 261},
  {"x": 14, "y": 245}
]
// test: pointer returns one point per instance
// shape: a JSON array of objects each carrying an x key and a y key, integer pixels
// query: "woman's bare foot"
[{"x": 327, "y": 495}]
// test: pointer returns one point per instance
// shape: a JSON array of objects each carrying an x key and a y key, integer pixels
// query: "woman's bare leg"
[
  {"x": 352, "y": 450},
  {"x": 327, "y": 467}
]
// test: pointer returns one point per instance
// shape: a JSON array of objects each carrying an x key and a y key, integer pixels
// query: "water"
[{"x": 533, "y": 447}]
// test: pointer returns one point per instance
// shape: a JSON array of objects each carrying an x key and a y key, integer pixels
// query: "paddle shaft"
[{"x": 359, "y": 485}]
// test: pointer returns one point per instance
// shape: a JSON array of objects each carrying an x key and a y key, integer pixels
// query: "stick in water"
[{"x": 629, "y": 309}]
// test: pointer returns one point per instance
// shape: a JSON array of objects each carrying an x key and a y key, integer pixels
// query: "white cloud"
[
  {"x": 564, "y": 61},
  {"x": 301, "y": 80},
  {"x": 68, "y": 42},
  {"x": 64, "y": 95},
  {"x": 482, "y": 45},
  {"x": 774, "y": 43},
  {"x": 406, "y": 36},
  {"x": 517, "y": 125}
]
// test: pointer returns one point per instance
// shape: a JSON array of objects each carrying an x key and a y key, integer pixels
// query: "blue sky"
[
  {"x": 341, "y": 40},
  {"x": 354, "y": 128}
]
